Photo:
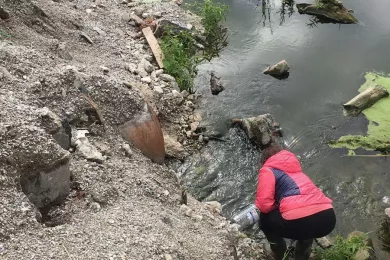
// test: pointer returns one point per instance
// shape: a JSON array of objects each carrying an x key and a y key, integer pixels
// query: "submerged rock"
[
  {"x": 216, "y": 85},
  {"x": 334, "y": 11}
]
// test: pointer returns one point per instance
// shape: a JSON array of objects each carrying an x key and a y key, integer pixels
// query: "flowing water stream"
[{"x": 328, "y": 63}]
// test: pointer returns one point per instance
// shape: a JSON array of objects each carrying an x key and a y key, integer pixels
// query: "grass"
[
  {"x": 342, "y": 249},
  {"x": 181, "y": 53}
]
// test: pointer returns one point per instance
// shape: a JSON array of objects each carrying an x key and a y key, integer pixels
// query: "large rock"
[
  {"x": 47, "y": 186},
  {"x": 172, "y": 147},
  {"x": 58, "y": 128},
  {"x": 279, "y": 69},
  {"x": 333, "y": 12},
  {"x": 29, "y": 152},
  {"x": 261, "y": 130},
  {"x": 166, "y": 26},
  {"x": 367, "y": 252},
  {"x": 87, "y": 150}
]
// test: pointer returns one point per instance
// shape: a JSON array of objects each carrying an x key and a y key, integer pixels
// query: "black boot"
[
  {"x": 303, "y": 249},
  {"x": 277, "y": 244}
]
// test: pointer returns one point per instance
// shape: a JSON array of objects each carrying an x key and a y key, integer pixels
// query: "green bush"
[
  {"x": 342, "y": 249},
  {"x": 180, "y": 59},
  {"x": 212, "y": 15},
  {"x": 181, "y": 55}
]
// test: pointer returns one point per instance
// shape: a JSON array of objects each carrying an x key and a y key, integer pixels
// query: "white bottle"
[{"x": 247, "y": 217}]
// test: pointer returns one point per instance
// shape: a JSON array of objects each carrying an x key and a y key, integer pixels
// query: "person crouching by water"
[{"x": 291, "y": 205}]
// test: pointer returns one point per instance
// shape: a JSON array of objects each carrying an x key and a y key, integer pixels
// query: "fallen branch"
[{"x": 365, "y": 100}]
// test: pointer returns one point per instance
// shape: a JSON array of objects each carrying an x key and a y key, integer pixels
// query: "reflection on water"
[
  {"x": 328, "y": 63},
  {"x": 287, "y": 6}
]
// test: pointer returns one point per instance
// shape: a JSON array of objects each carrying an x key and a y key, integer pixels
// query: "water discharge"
[{"x": 328, "y": 63}]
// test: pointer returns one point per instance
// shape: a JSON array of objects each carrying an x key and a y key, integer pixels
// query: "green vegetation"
[
  {"x": 212, "y": 15},
  {"x": 4, "y": 34},
  {"x": 180, "y": 59},
  {"x": 181, "y": 53},
  {"x": 342, "y": 249},
  {"x": 378, "y": 134}
]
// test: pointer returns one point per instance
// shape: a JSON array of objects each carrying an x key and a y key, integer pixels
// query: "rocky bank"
[{"x": 72, "y": 74}]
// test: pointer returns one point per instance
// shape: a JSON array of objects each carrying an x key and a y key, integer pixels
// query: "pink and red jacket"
[{"x": 283, "y": 185}]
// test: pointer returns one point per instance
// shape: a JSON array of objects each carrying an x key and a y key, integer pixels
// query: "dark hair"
[{"x": 269, "y": 151}]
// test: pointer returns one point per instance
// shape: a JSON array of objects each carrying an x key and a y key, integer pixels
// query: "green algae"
[{"x": 378, "y": 115}]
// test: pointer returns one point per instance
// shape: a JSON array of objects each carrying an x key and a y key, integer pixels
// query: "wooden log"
[
  {"x": 365, "y": 100},
  {"x": 152, "y": 41}
]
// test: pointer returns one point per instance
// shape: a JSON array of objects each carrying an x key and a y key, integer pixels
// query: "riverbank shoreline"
[{"x": 86, "y": 62}]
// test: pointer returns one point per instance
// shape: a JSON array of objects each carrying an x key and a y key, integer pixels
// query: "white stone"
[
  {"x": 159, "y": 72},
  {"x": 147, "y": 80},
  {"x": 185, "y": 93},
  {"x": 387, "y": 212},
  {"x": 176, "y": 94},
  {"x": 172, "y": 147},
  {"x": 148, "y": 66},
  {"x": 278, "y": 69},
  {"x": 158, "y": 89},
  {"x": 166, "y": 77},
  {"x": 153, "y": 76},
  {"x": 132, "y": 68},
  {"x": 88, "y": 151},
  {"x": 148, "y": 57},
  {"x": 157, "y": 14}
]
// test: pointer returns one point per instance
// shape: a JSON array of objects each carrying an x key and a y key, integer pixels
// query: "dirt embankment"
[{"x": 75, "y": 68}]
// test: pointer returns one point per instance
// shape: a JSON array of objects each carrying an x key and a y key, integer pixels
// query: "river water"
[{"x": 328, "y": 63}]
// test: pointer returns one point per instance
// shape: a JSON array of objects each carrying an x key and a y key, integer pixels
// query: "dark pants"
[{"x": 276, "y": 228}]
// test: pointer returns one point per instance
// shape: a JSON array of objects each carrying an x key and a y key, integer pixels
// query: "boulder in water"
[
  {"x": 216, "y": 85},
  {"x": 261, "y": 130},
  {"x": 332, "y": 10},
  {"x": 279, "y": 69}
]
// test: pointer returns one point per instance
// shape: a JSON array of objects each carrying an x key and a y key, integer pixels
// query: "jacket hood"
[{"x": 285, "y": 161}]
